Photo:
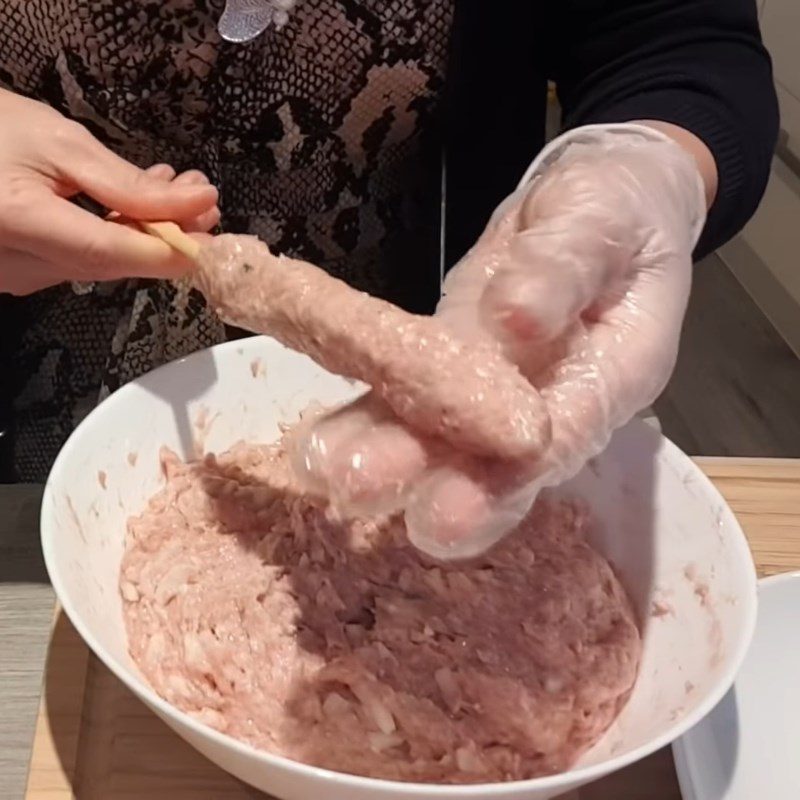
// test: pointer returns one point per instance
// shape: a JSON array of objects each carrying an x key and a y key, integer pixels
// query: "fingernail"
[
  {"x": 204, "y": 190},
  {"x": 522, "y": 309},
  {"x": 308, "y": 457},
  {"x": 443, "y": 512},
  {"x": 313, "y": 444},
  {"x": 162, "y": 172},
  {"x": 371, "y": 472},
  {"x": 192, "y": 178}
]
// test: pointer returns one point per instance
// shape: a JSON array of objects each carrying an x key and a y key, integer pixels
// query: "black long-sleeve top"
[{"x": 699, "y": 64}]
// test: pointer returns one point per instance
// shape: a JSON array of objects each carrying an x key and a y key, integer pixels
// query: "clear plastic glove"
[
  {"x": 583, "y": 274},
  {"x": 45, "y": 240}
]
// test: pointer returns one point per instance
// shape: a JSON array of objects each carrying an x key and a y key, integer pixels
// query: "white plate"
[{"x": 748, "y": 747}]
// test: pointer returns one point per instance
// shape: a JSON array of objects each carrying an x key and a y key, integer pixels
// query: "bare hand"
[{"x": 45, "y": 239}]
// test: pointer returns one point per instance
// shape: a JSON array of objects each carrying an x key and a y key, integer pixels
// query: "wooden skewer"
[
  {"x": 274, "y": 298},
  {"x": 172, "y": 235},
  {"x": 168, "y": 232}
]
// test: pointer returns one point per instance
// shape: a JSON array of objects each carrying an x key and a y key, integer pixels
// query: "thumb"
[
  {"x": 555, "y": 269},
  {"x": 121, "y": 186},
  {"x": 619, "y": 365},
  {"x": 456, "y": 511}
]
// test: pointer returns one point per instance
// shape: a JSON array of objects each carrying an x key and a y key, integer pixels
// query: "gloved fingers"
[
  {"x": 459, "y": 306},
  {"x": 314, "y": 441},
  {"x": 370, "y": 473},
  {"x": 550, "y": 250},
  {"x": 577, "y": 234},
  {"x": 561, "y": 245},
  {"x": 458, "y": 511},
  {"x": 365, "y": 462},
  {"x": 618, "y": 365},
  {"x": 361, "y": 457},
  {"x": 579, "y": 393},
  {"x": 542, "y": 290}
]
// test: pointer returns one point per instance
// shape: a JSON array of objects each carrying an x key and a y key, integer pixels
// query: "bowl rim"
[{"x": 571, "y": 777}]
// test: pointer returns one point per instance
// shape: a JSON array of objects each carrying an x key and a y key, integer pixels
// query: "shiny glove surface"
[{"x": 582, "y": 275}]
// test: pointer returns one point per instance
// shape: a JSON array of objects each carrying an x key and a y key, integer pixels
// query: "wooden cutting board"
[{"x": 95, "y": 741}]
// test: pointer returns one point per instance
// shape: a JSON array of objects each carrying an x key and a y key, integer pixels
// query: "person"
[{"x": 335, "y": 137}]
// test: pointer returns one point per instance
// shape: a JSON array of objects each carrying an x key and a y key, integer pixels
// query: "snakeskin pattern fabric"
[{"x": 320, "y": 136}]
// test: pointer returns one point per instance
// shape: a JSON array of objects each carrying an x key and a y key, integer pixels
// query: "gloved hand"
[
  {"x": 45, "y": 239},
  {"x": 583, "y": 274}
]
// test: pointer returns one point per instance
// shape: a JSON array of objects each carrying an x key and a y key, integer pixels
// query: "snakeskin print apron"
[{"x": 320, "y": 136}]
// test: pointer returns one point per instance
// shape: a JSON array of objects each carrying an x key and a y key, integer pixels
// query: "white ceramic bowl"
[{"x": 674, "y": 542}]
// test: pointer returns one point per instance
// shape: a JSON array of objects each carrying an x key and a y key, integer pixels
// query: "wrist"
[
  {"x": 690, "y": 204},
  {"x": 697, "y": 149}
]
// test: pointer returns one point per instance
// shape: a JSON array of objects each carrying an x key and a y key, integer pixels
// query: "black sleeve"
[{"x": 699, "y": 64}]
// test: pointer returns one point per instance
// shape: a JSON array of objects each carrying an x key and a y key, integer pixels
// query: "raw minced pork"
[{"x": 339, "y": 645}]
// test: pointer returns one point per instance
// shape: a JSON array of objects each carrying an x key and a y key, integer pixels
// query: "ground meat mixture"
[
  {"x": 340, "y": 645},
  {"x": 468, "y": 394}
]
